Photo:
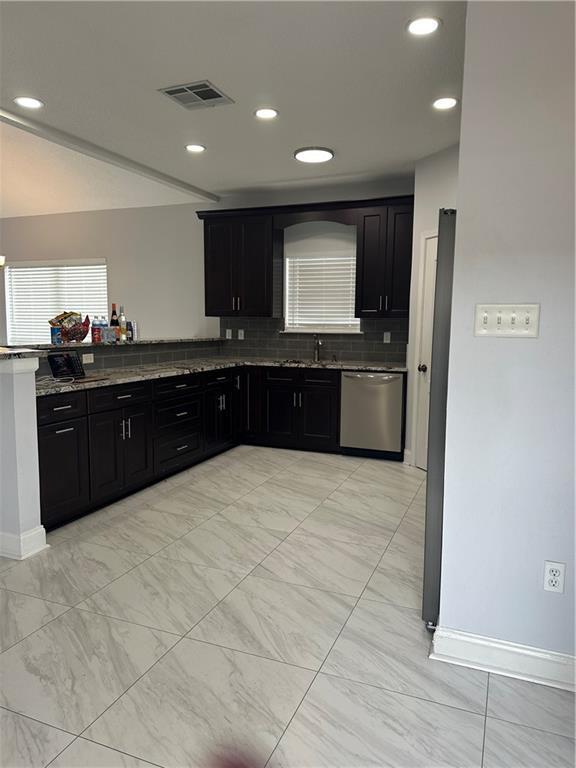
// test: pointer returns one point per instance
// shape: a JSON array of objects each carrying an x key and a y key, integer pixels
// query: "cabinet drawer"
[
  {"x": 109, "y": 398},
  {"x": 178, "y": 386},
  {"x": 218, "y": 378},
  {"x": 53, "y": 408},
  {"x": 281, "y": 375},
  {"x": 169, "y": 450},
  {"x": 176, "y": 413},
  {"x": 311, "y": 376}
]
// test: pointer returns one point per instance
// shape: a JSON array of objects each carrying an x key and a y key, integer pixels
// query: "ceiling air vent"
[{"x": 196, "y": 95}]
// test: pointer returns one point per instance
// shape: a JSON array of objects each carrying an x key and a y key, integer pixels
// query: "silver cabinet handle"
[
  {"x": 300, "y": 400},
  {"x": 61, "y": 407},
  {"x": 123, "y": 430},
  {"x": 380, "y": 305},
  {"x": 221, "y": 378},
  {"x": 182, "y": 413},
  {"x": 233, "y": 303},
  {"x": 294, "y": 401},
  {"x": 182, "y": 447},
  {"x": 386, "y": 304},
  {"x": 238, "y": 303},
  {"x": 238, "y": 381},
  {"x": 129, "y": 428},
  {"x": 61, "y": 431},
  {"x": 123, "y": 397},
  {"x": 224, "y": 402},
  {"x": 180, "y": 386},
  {"x": 219, "y": 402}
]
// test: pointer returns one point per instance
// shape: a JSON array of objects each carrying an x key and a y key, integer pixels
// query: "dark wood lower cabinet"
[
  {"x": 120, "y": 450},
  {"x": 91, "y": 460},
  {"x": 64, "y": 475}
]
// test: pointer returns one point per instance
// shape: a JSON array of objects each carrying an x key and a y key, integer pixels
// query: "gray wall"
[
  {"x": 155, "y": 261},
  {"x": 509, "y": 498}
]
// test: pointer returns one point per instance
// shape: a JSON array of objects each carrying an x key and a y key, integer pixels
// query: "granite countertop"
[
  {"x": 13, "y": 353},
  {"x": 85, "y": 344},
  {"x": 107, "y": 377}
]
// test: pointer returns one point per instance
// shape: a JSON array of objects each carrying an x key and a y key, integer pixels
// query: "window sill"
[{"x": 311, "y": 332}]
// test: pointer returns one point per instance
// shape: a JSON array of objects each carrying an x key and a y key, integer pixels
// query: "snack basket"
[{"x": 72, "y": 327}]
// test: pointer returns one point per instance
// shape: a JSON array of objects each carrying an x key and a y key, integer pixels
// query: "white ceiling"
[
  {"x": 342, "y": 74},
  {"x": 39, "y": 177}
]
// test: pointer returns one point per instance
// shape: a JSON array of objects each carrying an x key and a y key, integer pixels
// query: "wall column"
[{"x": 21, "y": 532}]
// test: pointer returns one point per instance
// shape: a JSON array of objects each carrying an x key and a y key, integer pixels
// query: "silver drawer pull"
[
  {"x": 220, "y": 378},
  {"x": 180, "y": 386},
  {"x": 182, "y": 413},
  {"x": 61, "y": 407},
  {"x": 182, "y": 447},
  {"x": 61, "y": 431},
  {"x": 122, "y": 397}
]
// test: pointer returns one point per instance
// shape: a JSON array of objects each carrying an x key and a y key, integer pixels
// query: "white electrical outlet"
[
  {"x": 386, "y": 337},
  {"x": 240, "y": 334},
  {"x": 519, "y": 321},
  {"x": 228, "y": 333},
  {"x": 87, "y": 358},
  {"x": 554, "y": 576}
]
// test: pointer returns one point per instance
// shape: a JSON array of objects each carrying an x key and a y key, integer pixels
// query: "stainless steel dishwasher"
[{"x": 371, "y": 411}]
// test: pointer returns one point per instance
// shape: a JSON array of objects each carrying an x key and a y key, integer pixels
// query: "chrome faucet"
[{"x": 317, "y": 344}]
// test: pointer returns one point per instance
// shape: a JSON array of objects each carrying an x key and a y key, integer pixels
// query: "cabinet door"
[
  {"x": 106, "y": 454},
  {"x": 280, "y": 407},
  {"x": 318, "y": 417},
  {"x": 399, "y": 260},
  {"x": 254, "y": 267},
  {"x": 371, "y": 262},
  {"x": 219, "y": 413},
  {"x": 138, "y": 455},
  {"x": 220, "y": 244},
  {"x": 64, "y": 479}
]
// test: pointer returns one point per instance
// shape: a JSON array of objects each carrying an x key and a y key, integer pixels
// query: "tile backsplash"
[{"x": 263, "y": 337}]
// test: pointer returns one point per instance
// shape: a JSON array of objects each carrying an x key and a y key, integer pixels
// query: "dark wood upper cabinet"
[
  {"x": 219, "y": 266},
  {"x": 238, "y": 266},
  {"x": 384, "y": 261},
  {"x": 244, "y": 255},
  {"x": 399, "y": 259},
  {"x": 371, "y": 262}
]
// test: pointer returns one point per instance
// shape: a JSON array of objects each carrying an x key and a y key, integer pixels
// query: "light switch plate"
[
  {"x": 507, "y": 320},
  {"x": 240, "y": 334},
  {"x": 87, "y": 358},
  {"x": 386, "y": 337},
  {"x": 228, "y": 333}
]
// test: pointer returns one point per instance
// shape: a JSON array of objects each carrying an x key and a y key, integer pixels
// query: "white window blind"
[
  {"x": 320, "y": 285},
  {"x": 37, "y": 291}
]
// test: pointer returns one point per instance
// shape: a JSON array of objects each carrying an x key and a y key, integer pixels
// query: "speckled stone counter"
[
  {"x": 13, "y": 353},
  {"x": 111, "y": 376}
]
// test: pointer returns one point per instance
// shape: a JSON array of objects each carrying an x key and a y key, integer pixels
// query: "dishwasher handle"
[{"x": 374, "y": 378}]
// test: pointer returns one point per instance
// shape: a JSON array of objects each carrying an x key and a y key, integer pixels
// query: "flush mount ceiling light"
[
  {"x": 28, "y": 102},
  {"x": 423, "y": 26},
  {"x": 446, "y": 102},
  {"x": 195, "y": 149},
  {"x": 266, "y": 113},
  {"x": 314, "y": 154}
]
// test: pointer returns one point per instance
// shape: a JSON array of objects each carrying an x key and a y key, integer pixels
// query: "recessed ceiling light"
[
  {"x": 28, "y": 102},
  {"x": 447, "y": 102},
  {"x": 195, "y": 148},
  {"x": 423, "y": 26},
  {"x": 266, "y": 113},
  {"x": 314, "y": 154}
]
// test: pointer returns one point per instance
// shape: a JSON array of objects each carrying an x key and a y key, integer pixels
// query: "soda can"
[{"x": 55, "y": 334}]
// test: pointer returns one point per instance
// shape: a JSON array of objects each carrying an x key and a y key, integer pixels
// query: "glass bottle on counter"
[
  {"x": 114, "y": 317},
  {"x": 122, "y": 324}
]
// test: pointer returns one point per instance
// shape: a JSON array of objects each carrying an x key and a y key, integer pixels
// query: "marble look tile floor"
[{"x": 264, "y": 602}]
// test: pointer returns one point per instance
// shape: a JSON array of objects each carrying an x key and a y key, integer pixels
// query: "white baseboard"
[
  {"x": 408, "y": 457},
  {"x": 23, "y": 546},
  {"x": 504, "y": 658}
]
